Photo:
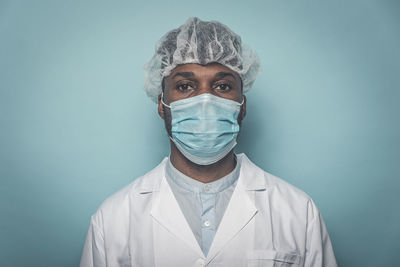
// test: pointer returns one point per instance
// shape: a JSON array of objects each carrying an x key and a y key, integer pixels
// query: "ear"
[{"x": 160, "y": 108}]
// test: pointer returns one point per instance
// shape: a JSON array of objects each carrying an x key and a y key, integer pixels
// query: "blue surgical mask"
[{"x": 204, "y": 127}]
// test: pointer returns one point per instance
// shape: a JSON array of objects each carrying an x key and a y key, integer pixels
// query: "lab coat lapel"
[
  {"x": 238, "y": 214},
  {"x": 241, "y": 208},
  {"x": 167, "y": 212}
]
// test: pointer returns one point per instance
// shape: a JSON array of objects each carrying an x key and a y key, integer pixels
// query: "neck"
[{"x": 202, "y": 173}]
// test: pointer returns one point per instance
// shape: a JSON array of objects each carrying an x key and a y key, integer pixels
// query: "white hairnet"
[{"x": 200, "y": 42}]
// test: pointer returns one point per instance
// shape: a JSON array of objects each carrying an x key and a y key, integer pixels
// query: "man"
[{"x": 204, "y": 205}]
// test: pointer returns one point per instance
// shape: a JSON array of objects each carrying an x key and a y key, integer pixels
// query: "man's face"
[{"x": 190, "y": 80}]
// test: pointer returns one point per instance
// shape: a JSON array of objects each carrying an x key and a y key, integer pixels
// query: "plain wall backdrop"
[{"x": 76, "y": 125}]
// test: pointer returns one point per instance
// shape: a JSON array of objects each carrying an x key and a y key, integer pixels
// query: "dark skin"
[{"x": 190, "y": 80}]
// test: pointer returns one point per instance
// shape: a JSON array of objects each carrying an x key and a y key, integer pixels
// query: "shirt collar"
[{"x": 189, "y": 184}]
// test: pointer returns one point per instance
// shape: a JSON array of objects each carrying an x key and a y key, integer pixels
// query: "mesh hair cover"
[{"x": 200, "y": 42}]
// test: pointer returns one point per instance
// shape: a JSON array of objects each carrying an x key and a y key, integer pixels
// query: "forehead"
[{"x": 199, "y": 70}]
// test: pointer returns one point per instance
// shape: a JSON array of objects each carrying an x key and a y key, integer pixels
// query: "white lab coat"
[{"x": 268, "y": 222}]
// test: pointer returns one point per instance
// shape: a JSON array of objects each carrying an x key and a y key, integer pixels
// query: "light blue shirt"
[{"x": 202, "y": 204}]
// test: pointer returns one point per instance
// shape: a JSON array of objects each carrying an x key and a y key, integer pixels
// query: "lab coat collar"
[
  {"x": 240, "y": 211},
  {"x": 152, "y": 182},
  {"x": 254, "y": 176},
  {"x": 251, "y": 176}
]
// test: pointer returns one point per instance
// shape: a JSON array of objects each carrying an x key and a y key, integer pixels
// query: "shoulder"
[
  {"x": 278, "y": 188},
  {"x": 120, "y": 201},
  {"x": 284, "y": 189},
  {"x": 285, "y": 201}
]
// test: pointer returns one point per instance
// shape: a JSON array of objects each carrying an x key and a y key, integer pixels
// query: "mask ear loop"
[{"x": 162, "y": 100}]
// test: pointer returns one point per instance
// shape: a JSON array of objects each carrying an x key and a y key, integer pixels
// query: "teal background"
[{"x": 76, "y": 125}]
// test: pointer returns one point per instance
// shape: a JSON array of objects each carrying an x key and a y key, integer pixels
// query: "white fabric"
[{"x": 268, "y": 222}]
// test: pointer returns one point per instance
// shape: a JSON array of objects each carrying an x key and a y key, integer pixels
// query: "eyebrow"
[
  {"x": 223, "y": 74},
  {"x": 184, "y": 74},
  {"x": 190, "y": 74}
]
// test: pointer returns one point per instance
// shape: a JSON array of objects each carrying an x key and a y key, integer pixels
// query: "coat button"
[{"x": 200, "y": 262}]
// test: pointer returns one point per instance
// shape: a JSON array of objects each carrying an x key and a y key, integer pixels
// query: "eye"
[
  {"x": 184, "y": 87},
  {"x": 223, "y": 87}
]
